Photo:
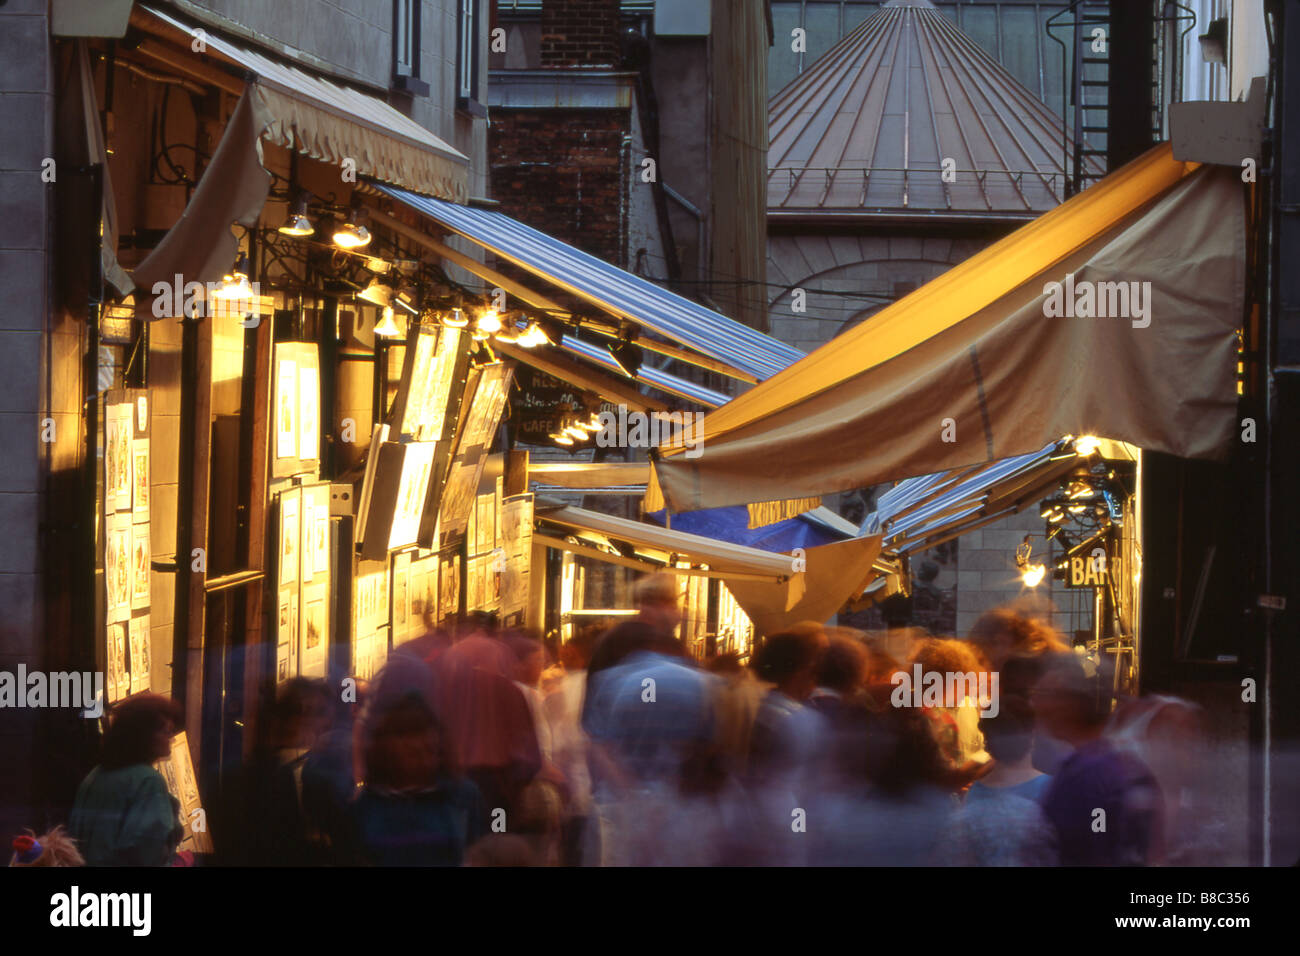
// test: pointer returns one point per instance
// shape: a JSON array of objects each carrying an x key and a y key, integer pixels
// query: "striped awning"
[
  {"x": 333, "y": 123},
  {"x": 612, "y": 289}
]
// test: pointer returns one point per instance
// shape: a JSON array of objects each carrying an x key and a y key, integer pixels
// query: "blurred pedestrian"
[{"x": 123, "y": 814}]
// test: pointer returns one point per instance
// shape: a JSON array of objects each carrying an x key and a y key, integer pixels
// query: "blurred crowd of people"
[{"x": 475, "y": 746}]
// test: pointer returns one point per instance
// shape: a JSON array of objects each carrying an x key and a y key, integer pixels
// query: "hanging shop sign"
[
  {"x": 1090, "y": 568},
  {"x": 541, "y": 401}
]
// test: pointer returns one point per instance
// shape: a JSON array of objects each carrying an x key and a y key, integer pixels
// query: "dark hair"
[
  {"x": 1027, "y": 635},
  {"x": 728, "y": 663},
  {"x": 1009, "y": 735},
  {"x": 132, "y": 726},
  {"x": 902, "y": 753},
  {"x": 404, "y": 716},
  {"x": 786, "y": 654},
  {"x": 843, "y": 666},
  {"x": 1091, "y": 706}
]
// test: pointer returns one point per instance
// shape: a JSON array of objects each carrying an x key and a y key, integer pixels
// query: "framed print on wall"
[{"x": 290, "y": 506}]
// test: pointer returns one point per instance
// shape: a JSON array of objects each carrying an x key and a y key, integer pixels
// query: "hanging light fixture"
[
  {"x": 376, "y": 292},
  {"x": 626, "y": 355},
  {"x": 352, "y": 234},
  {"x": 1087, "y": 444},
  {"x": 489, "y": 321},
  {"x": 560, "y": 438},
  {"x": 1033, "y": 575},
  {"x": 235, "y": 285},
  {"x": 511, "y": 334},
  {"x": 297, "y": 224},
  {"x": 387, "y": 326},
  {"x": 533, "y": 336},
  {"x": 455, "y": 319}
]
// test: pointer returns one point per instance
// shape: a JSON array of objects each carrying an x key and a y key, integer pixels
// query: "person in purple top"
[{"x": 1103, "y": 802}]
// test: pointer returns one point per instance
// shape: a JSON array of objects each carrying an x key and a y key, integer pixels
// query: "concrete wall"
[
  {"x": 354, "y": 39},
  {"x": 847, "y": 278},
  {"x": 26, "y": 112}
]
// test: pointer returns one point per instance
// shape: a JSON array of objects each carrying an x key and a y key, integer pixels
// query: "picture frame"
[
  {"x": 288, "y": 559},
  {"x": 314, "y": 630},
  {"x": 118, "y": 554},
  {"x": 141, "y": 665},
  {"x": 117, "y": 678},
  {"x": 448, "y": 587},
  {"x": 412, "y": 489},
  {"x": 286, "y": 404},
  {"x": 140, "y": 493},
  {"x": 141, "y": 556}
]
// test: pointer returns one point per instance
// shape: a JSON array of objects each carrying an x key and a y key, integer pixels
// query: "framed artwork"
[
  {"x": 448, "y": 588},
  {"x": 308, "y": 411},
  {"x": 458, "y": 498},
  {"x": 377, "y": 439},
  {"x": 138, "y": 631},
  {"x": 314, "y": 548},
  {"x": 117, "y": 680},
  {"x": 140, "y": 478},
  {"x": 293, "y": 634},
  {"x": 417, "y": 466},
  {"x": 140, "y": 556},
  {"x": 450, "y": 347},
  {"x": 435, "y": 354},
  {"x": 486, "y": 525},
  {"x": 286, "y": 633},
  {"x": 286, "y": 404},
  {"x": 314, "y": 630},
  {"x": 475, "y": 581},
  {"x": 290, "y": 506},
  {"x": 118, "y": 432},
  {"x": 177, "y": 769},
  {"x": 118, "y": 556},
  {"x": 488, "y": 403},
  {"x": 517, "y": 545},
  {"x": 401, "y": 599},
  {"x": 418, "y": 392}
]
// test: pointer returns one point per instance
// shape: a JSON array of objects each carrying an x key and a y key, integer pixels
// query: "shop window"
[
  {"x": 468, "y": 26},
  {"x": 406, "y": 47}
]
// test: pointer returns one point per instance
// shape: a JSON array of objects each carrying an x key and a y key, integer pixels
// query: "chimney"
[{"x": 580, "y": 33}]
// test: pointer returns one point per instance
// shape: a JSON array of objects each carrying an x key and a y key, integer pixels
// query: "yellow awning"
[{"x": 970, "y": 368}]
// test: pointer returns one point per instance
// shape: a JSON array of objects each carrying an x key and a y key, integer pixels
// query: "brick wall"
[
  {"x": 580, "y": 33},
  {"x": 562, "y": 171}
]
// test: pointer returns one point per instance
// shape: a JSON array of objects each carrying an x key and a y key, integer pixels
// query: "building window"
[
  {"x": 467, "y": 58},
  {"x": 406, "y": 47}
]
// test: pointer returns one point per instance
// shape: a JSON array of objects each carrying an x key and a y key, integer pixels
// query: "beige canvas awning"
[
  {"x": 969, "y": 368},
  {"x": 291, "y": 108},
  {"x": 775, "y": 589}
]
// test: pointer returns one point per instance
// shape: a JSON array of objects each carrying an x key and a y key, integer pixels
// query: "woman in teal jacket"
[{"x": 123, "y": 814}]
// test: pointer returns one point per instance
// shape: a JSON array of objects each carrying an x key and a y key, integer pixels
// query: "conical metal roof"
[{"x": 866, "y": 128}]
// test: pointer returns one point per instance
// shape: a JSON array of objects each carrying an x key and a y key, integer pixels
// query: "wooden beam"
[{"x": 568, "y": 370}]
